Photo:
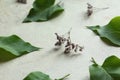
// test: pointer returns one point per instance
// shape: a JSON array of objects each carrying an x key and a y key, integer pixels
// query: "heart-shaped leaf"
[
  {"x": 110, "y": 70},
  {"x": 98, "y": 73},
  {"x": 37, "y": 76},
  {"x": 43, "y": 10},
  {"x": 40, "y": 76},
  {"x": 112, "y": 66},
  {"x": 110, "y": 33}
]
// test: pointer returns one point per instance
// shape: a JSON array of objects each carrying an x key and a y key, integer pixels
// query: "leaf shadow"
[
  {"x": 69, "y": 55},
  {"x": 55, "y": 49},
  {"x": 85, "y": 16}
]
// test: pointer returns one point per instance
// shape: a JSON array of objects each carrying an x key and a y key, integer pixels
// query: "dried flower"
[
  {"x": 22, "y": 1},
  {"x": 89, "y": 9},
  {"x": 60, "y": 39},
  {"x": 69, "y": 46}
]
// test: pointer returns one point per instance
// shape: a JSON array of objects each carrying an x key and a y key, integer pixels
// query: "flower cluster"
[
  {"x": 91, "y": 9},
  {"x": 69, "y": 46}
]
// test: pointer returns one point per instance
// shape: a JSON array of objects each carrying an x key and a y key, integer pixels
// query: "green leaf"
[
  {"x": 110, "y": 70},
  {"x": 112, "y": 66},
  {"x": 40, "y": 76},
  {"x": 43, "y": 10},
  {"x": 13, "y": 46},
  {"x": 37, "y": 76},
  {"x": 98, "y": 73},
  {"x": 110, "y": 33}
]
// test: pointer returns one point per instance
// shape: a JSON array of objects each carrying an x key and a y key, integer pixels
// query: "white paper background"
[{"x": 41, "y": 34}]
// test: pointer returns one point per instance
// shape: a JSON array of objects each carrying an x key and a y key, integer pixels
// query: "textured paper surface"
[{"x": 41, "y": 34}]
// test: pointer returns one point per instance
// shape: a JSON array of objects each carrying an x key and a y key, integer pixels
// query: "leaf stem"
[
  {"x": 93, "y": 60},
  {"x": 63, "y": 77}
]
